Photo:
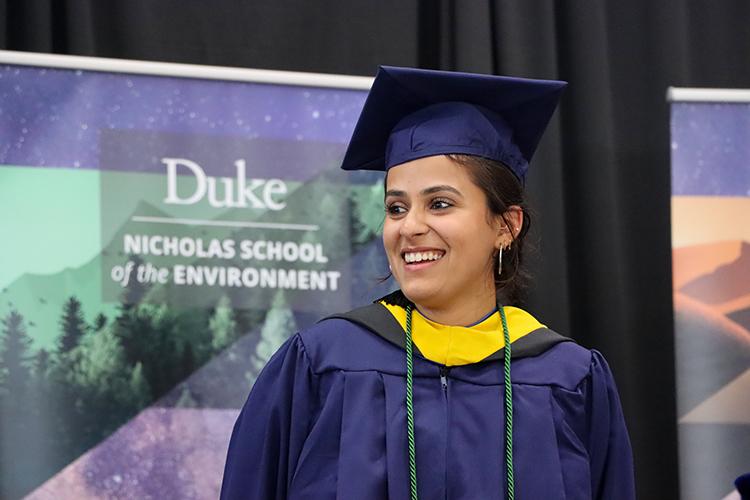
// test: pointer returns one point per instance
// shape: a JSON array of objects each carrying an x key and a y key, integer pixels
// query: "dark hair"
[{"x": 502, "y": 190}]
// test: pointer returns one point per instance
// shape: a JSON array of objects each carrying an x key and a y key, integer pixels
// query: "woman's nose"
[{"x": 414, "y": 224}]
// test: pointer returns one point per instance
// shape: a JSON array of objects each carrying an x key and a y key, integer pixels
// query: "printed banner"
[
  {"x": 711, "y": 272},
  {"x": 161, "y": 237}
]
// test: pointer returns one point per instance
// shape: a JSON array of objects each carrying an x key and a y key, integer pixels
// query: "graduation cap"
[{"x": 413, "y": 113}]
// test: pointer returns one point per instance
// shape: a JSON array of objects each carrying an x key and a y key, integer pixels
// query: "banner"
[
  {"x": 711, "y": 273},
  {"x": 161, "y": 237}
]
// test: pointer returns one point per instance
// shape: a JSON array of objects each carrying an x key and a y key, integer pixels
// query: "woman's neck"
[{"x": 465, "y": 311}]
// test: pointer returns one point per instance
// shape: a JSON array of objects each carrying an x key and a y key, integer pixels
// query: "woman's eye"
[
  {"x": 395, "y": 209},
  {"x": 440, "y": 204}
]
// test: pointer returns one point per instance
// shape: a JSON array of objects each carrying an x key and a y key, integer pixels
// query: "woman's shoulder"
[
  {"x": 350, "y": 341},
  {"x": 565, "y": 364}
]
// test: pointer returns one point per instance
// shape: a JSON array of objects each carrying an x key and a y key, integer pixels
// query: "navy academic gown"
[{"x": 326, "y": 419}]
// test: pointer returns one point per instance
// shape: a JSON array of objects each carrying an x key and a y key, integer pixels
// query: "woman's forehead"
[{"x": 425, "y": 173}]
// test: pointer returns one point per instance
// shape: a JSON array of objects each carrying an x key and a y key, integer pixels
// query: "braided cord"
[
  {"x": 508, "y": 409},
  {"x": 410, "y": 407}
]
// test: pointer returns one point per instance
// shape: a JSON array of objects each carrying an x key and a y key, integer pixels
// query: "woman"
[{"x": 412, "y": 397}]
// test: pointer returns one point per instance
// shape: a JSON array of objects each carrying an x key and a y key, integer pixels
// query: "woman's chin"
[{"x": 420, "y": 295}]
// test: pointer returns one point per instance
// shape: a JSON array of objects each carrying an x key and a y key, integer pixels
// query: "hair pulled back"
[{"x": 502, "y": 190}]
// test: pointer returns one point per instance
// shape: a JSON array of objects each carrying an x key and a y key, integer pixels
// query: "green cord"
[
  {"x": 410, "y": 408},
  {"x": 508, "y": 410}
]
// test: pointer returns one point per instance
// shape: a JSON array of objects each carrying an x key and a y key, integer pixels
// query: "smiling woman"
[
  {"x": 441, "y": 239},
  {"x": 442, "y": 389}
]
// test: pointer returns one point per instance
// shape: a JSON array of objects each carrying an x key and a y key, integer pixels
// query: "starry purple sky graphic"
[
  {"x": 710, "y": 149},
  {"x": 56, "y": 117}
]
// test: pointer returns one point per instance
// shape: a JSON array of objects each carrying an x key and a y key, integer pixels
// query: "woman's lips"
[
  {"x": 420, "y": 254},
  {"x": 421, "y": 258}
]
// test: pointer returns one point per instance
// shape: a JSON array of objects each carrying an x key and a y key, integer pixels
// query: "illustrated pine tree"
[
  {"x": 40, "y": 381},
  {"x": 15, "y": 345},
  {"x": 168, "y": 344},
  {"x": 104, "y": 390},
  {"x": 39, "y": 393},
  {"x": 278, "y": 326},
  {"x": 72, "y": 325},
  {"x": 140, "y": 393},
  {"x": 222, "y": 325},
  {"x": 186, "y": 399},
  {"x": 245, "y": 316},
  {"x": 128, "y": 323},
  {"x": 368, "y": 215},
  {"x": 153, "y": 340},
  {"x": 41, "y": 364},
  {"x": 334, "y": 220},
  {"x": 16, "y": 403}
]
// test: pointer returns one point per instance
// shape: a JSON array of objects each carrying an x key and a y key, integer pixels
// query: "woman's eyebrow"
[
  {"x": 425, "y": 191},
  {"x": 395, "y": 192},
  {"x": 437, "y": 189}
]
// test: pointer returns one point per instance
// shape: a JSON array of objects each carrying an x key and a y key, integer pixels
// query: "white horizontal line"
[
  {"x": 178, "y": 70},
  {"x": 682, "y": 94},
  {"x": 226, "y": 223}
]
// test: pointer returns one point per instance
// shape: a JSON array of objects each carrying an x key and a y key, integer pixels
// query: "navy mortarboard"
[{"x": 413, "y": 113}]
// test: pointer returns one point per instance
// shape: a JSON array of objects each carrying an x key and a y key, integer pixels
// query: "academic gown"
[{"x": 326, "y": 419}]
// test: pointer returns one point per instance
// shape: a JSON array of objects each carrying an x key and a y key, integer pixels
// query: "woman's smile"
[{"x": 418, "y": 258}]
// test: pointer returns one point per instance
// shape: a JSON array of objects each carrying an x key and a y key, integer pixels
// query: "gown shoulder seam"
[{"x": 298, "y": 338}]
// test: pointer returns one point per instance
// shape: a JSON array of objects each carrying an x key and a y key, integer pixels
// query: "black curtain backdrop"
[{"x": 600, "y": 181}]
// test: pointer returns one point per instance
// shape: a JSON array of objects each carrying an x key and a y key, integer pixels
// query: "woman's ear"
[
  {"x": 504, "y": 233},
  {"x": 514, "y": 218},
  {"x": 509, "y": 226}
]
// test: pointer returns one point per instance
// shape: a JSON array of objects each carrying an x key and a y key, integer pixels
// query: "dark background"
[{"x": 599, "y": 183}]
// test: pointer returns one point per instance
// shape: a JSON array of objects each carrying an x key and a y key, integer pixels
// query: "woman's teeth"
[{"x": 413, "y": 257}]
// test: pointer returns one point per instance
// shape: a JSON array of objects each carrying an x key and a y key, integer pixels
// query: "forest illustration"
[{"x": 58, "y": 401}]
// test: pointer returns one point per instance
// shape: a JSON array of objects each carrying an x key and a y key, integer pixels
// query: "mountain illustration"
[
  {"x": 707, "y": 342},
  {"x": 741, "y": 317},
  {"x": 712, "y": 344},
  {"x": 729, "y": 405},
  {"x": 712, "y": 318},
  {"x": 728, "y": 285},
  {"x": 691, "y": 262},
  {"x": 40, "y": 297}
]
